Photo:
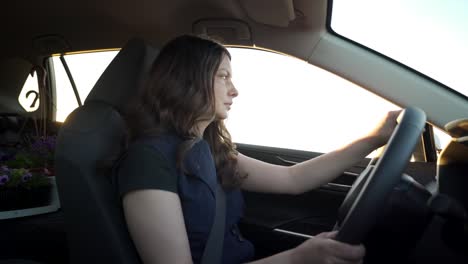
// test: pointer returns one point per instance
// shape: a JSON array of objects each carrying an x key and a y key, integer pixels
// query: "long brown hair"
[{"x": 178, "y": 95}]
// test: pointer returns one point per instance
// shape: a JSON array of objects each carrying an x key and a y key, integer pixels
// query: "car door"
[{"x": 287, "y": 112}]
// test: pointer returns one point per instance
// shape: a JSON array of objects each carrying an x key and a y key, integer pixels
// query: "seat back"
[{"x": 93, "y": 133}]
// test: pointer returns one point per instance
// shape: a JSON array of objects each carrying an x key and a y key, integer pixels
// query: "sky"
[{"x": 430, "y": 36}]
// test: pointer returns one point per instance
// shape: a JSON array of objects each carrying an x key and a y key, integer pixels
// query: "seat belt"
[{"x": 214, "y": 246}]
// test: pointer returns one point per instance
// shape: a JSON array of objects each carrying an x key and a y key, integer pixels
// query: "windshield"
[{"x": 429, "y": 36}]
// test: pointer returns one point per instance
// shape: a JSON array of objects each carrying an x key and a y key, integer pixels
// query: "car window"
[
  {"x": 285, "y": 102},
  {"x": 428, "y": 36},
  {"x": 86, "y": 68}
]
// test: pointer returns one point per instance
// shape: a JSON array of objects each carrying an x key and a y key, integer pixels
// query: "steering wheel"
[{"x": 358, "y": 212}]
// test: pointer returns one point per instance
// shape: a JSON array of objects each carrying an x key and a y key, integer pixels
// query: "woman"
[{"x": 181, "y": 150}]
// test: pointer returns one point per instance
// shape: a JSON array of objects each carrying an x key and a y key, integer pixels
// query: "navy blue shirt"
[{"x": 151, "y": 164}]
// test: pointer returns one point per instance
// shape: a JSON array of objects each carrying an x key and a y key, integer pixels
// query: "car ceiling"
[
  {"x": 89, "y": 25},
  {"x": 36, "y": 29}
]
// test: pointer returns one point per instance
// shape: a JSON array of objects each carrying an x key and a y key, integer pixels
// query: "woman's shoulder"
[
  {"x": 145, "y": 166},
  {"x": 162, "y": 144}
]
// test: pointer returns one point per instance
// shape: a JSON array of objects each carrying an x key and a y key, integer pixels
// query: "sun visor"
[
  {"x": 273, "y": 12},
  {"x": 227, "y": 31}
]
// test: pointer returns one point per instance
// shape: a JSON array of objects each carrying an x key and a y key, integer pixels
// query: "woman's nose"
[{"x": 233, "y": 91}]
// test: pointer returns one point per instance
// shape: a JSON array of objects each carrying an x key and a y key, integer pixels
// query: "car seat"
[{"x": 94, "y": 132}]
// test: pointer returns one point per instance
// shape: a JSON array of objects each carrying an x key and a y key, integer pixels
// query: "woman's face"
[{"x": 224, "y": 90}]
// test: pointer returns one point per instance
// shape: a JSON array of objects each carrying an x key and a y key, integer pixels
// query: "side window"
[
  {"x": 29, "y": 95},
  {"x": 285, "y": 102},
  {"x": 86, "y": 68}
]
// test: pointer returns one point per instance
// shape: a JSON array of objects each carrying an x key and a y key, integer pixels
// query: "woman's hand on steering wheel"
[
  {"x": 384, "y": 128},
  {"x": 323, "y": 248}
]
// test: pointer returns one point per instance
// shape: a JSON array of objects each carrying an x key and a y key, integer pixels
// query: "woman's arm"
[
  {"x": 307, "y": 175},
  {"x": 156, "y": 224},
  {"x": 304, "y": 176}
]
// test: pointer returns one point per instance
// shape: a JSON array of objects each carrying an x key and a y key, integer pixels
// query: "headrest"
[{"x": 124, "y": 75}]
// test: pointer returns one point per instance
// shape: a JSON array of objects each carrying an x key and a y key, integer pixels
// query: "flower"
[
  {"x": 24, "y": 173},
  {"x": 28, "y": 166},
  {"x": 26, "y": 177},
  {"x": 4, "y": 179}
]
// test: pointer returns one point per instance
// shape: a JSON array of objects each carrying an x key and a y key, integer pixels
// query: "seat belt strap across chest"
[{"x": 214, "y": 246}]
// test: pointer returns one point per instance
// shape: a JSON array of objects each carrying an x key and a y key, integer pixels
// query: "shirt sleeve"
[{"x": 145, "y": 168}]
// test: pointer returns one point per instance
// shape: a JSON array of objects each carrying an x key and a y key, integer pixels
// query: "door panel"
[{"x": 279, "y": 222}]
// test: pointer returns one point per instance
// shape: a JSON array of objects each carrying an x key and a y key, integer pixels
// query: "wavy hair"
[{"x": 178, "y": 95}]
